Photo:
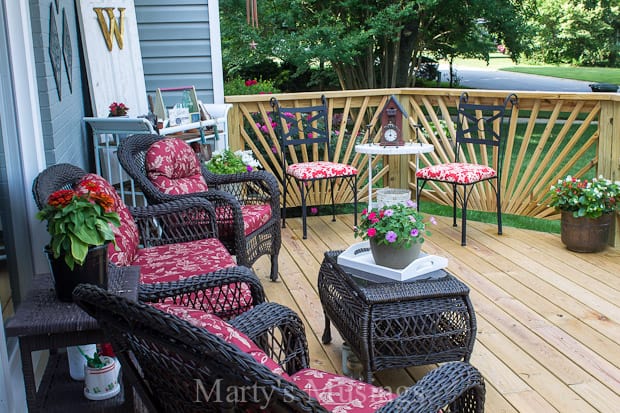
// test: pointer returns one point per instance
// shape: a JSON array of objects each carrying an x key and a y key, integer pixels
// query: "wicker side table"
[
  {"x": 43, "y": 322},
  {"x": 397, "y": 324}
]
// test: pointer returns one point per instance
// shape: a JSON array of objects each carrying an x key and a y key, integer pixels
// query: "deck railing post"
[{"x": 609, "y": 151}]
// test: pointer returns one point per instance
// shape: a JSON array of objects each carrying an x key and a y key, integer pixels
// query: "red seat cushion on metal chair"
[
  {"x": 172, "y": 262},
  {"x": 458, "y": 173},
  {"x": 173, "y": 167},
  {"x": 255, "y": 216},
  {"x": 320, "y": 169},
  {"x": 126, "y": 236},
  {"x": 223, "y": 330},
  {"x": 341, "y": 394}
]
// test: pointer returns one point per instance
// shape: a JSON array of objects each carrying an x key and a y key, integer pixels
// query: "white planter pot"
[{"x": 102, "y": 383}]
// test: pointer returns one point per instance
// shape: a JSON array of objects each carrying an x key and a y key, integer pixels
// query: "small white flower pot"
[{"x": 102, "y": 383}]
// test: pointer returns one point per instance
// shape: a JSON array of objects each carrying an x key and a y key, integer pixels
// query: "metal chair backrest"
[
  {"x": 299, "y": 127},
  {"x": 479, "y": 124}
]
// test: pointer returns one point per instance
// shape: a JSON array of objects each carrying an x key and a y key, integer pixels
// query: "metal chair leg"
[
  {"x": 454, "y": 204},
  {"x": 331, "y": 185},
  {"x": 284, "y": 192},
  {"x": 303, "y": 208}
]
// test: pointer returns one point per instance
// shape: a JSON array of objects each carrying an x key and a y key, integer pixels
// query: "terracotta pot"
[
  {"x": 585, "y": 234},
  {"x": 94, "y": 271},
  {"x": 392, "y": 256}
]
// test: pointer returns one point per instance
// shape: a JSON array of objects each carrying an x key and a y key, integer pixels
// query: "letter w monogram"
[{"x": 118, "y": 29}]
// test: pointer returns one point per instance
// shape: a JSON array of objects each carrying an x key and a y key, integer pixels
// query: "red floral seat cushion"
[
  {"x": 318, "y": 170},
  {"x": 255, "y": 216},
  {"x": 172, "y": 166},
  {"x": 341, "y": 394},
  {"x": 172, "y": 262},
  {"x": 223, "y": 330},
  {"x": 126, "y": 236},
  {"x": 457, "y": 173}
]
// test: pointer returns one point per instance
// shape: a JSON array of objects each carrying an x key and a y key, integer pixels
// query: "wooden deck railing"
[{"x": 549, "y": 136}]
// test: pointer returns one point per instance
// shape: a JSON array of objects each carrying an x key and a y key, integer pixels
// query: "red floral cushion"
[
  {"x": 171, "y": 165},
  {"x": 126, "y": 235},
  {"x": 318, "y": 170},
  {"x": 457, "y": 173},
  {"x": 172, "y": 262},
  {"x": 254, "y": 216},
  {"x": 341, "y": 394},
  {"x": 225, "y": 331}
]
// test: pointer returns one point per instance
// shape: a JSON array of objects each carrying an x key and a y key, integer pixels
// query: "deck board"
[{"x": 548, "y": 319}]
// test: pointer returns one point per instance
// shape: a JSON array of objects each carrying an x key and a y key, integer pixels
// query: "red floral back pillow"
[
  {"x": 172, "y": 166},
  {"x": 126, "y": 235}
]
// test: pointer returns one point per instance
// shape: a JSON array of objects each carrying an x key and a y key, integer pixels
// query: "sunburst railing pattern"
[{"x": 549, "y": 136}]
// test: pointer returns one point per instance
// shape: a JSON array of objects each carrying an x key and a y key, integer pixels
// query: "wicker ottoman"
[{"x": 397, "y": 324}]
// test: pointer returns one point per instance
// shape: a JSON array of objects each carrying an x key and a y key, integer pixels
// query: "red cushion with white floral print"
[
  {"x": 254, "y": 216},
  {"x": 319, "y": 170},
  {"x": 341, "y": 394},
  {"x": 215, "y": 325},
  {"x": 457, "y": 173},
  {"x": 126, "y": 236},
  {"x": 172, "y": 262},
  {"x": 172, "y": 166}
]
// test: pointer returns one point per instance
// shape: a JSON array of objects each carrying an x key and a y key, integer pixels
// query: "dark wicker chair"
[
  {"x": 178, "y": 367},
  {"x": 183, "y": 220},
  {"x": 258, "y": 187}
]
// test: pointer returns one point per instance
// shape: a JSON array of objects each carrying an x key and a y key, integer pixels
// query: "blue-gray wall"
[
  {"x": 175, "y": 45},
  {"x": 176, "y": 51},
  {"x": 61, "y": 117}
]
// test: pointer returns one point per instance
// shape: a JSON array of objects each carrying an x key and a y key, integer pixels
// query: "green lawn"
[{"x": 588, "y": 74}]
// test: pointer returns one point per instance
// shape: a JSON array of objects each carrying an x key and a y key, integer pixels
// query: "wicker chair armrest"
[
  {"x": 279, "y": 332},
  {"x": 181, "y": 220},
  {"x": 457, "y": 384},
  {"x": 205, "y": 292},
  {"x": 261, "y": 186}
]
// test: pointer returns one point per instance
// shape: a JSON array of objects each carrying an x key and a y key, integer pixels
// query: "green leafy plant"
[
  {"x": 77, "y": 221},
  {"x": 400, "y": 225},
  {"x": 229, "y": 162},
  {"x": 239, "y": 86},
  {"x": 94, "y": 362},
  {"x": 585, "y": 198}
]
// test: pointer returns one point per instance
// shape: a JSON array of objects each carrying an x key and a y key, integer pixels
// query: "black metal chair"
[
  {"x": 252, "y": 189},
  {"x": 178, "y": 367},
  {"x": 300, "y": 127},
  {"x": 479, "y": 127}
]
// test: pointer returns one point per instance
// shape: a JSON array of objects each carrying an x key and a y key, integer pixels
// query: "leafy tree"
[
  {"x": 582, "y": 32},
  {"x": 369, "y": 44}
]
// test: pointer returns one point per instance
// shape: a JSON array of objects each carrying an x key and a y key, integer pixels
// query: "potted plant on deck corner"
[
  {"x": 587, "y": 208},
  {"x": 395, "y": 233}
]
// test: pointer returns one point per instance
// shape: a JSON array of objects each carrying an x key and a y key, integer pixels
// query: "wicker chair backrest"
[{"x": 183, "y": 368}]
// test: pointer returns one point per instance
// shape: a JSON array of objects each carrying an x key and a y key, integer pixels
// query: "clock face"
[{"x": 390, "y": 134}]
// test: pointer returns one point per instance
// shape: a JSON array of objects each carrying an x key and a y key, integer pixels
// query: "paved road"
[{"x": 478, "y": 78}]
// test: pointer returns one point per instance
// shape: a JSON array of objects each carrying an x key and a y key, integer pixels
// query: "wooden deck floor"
[{"x": 548, "y": 319}]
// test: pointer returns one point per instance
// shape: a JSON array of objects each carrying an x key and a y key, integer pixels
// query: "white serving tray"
[{"x": 358, "y": 260}]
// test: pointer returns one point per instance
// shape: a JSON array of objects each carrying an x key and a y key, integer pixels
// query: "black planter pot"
[
  {"x": 94, "y": 271},
  {"x": 586, "y": 234}
]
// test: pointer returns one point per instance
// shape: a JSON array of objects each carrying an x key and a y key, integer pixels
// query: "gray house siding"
[
  {"x": 61, "y": 117},
  {"x": 175, "y": 45}
]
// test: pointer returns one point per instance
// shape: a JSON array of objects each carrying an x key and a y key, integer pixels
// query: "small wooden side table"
[{"x": 43, "y": 322}]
